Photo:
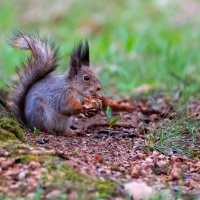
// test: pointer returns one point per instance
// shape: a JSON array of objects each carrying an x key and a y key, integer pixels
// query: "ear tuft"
[
  {"x": 79, "y": 57},
  {"x": 85, "y": 54},
  {"x": 75, "y": 60},
  {"x": 76, "y": 54}
]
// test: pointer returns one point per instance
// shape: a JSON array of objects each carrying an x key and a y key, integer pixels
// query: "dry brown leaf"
[
  {"x": 99, "y": 158},
  {"x": 117, "y": 105}
]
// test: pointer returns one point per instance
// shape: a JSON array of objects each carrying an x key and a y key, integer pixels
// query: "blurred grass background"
[{"x": 134, "y": 44}]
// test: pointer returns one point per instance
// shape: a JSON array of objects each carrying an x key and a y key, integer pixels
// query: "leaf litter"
[{"x": 139, "y": 147}]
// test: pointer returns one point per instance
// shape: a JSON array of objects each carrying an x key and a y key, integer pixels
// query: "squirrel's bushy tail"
[{"x": 43, "y": 60}]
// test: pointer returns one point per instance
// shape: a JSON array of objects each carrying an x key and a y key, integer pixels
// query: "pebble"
[
  {"x": 55, "y": 194},
  {"x": 155, "y": 153},
  {"x": 140, "y": 155},
  {"x": 42, "y": 140},
  {"x": 21, "y": 175},
  {"x": 149, "y": 160},
  {"x": 34, "y": 165},
  {"x": 6, "y": 163}
]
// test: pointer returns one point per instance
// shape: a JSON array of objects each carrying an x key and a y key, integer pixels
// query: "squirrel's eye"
[{"x": 86, "y": 78}]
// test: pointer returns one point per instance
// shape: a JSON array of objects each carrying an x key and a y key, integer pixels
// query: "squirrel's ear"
[
  {"x": 75, "y": 60},
  {"x": 85, "y": 54}
]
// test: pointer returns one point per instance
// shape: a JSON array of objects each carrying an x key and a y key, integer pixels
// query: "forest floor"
[{"x": 153, "y": 151}]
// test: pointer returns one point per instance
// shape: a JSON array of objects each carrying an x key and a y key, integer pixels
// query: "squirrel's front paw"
[{"x": 92, "y": 105}]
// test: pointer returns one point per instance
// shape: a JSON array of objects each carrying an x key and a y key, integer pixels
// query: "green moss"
[
  {"x": 74, "y": 176},
  {"x": 194, "y": 154},
  {"x": 59, "y": 173},
  {"x": 29, "y": 157},
  {"x": 6, "y": 135},
  {"x": 10, "y": 129},
  {"x": 105, "y": 188}
]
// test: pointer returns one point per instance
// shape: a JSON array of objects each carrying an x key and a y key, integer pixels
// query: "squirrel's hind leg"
[
  {"x": 38, "y": 114},
  {"x": 69, "y": 129}
]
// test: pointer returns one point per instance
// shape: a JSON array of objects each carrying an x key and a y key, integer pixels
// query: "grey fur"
[{"x": 42, "y": 99}]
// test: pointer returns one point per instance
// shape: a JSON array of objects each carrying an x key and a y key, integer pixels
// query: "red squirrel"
[{"x": 47, "y": 101}]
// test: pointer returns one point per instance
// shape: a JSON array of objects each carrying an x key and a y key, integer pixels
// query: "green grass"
[
  {"x": 137, "y": 43},
  {"x": 179, "y": 135}
]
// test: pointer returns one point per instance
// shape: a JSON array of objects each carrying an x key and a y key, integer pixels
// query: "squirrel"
[{"x": 47, "y": 101}]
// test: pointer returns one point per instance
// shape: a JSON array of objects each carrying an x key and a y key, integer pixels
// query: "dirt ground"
[
  {"x": 133, "y": 149},
  {"x": 123, "y": 153}
]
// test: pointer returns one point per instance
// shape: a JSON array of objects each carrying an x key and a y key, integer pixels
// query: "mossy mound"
[
  {"x": 10, "y": 130},
  {"x": 58, "y": 174}
]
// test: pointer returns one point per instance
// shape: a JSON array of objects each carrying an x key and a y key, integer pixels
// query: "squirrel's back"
[
  {"x": 50, "y": 89},
  {"x": 43, "y": 61}
]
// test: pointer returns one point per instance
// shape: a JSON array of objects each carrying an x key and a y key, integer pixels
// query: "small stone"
[
  {"x": 21, "y": 175},
  {"x": 6, "y": 164},
  {"x": 161, "y": 156},
  {"x": 32, "y": 182},
  {"x": 42, "y": 140},
  {"x": 149, "y": 160},
  {"x": 155, "y": 153},
  {"x": 135, "y": 173},
  {"x": 176, "y": 172},
  {"x": 53, "y": 194},
  {"x": 34, "y": 165},
  {"x": 139, "y": 190},
  {"x": 2, "y": 159},
  {"x": 140, "y": 155},
  {"x": 30, "y": 195},
  {"x": 15, "y": 186}
]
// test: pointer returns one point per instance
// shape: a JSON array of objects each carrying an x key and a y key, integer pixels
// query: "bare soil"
[{"x": 123, "y": 153}]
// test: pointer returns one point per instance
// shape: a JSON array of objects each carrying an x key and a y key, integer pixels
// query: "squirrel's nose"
[{"x": 98, "y": 87}]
